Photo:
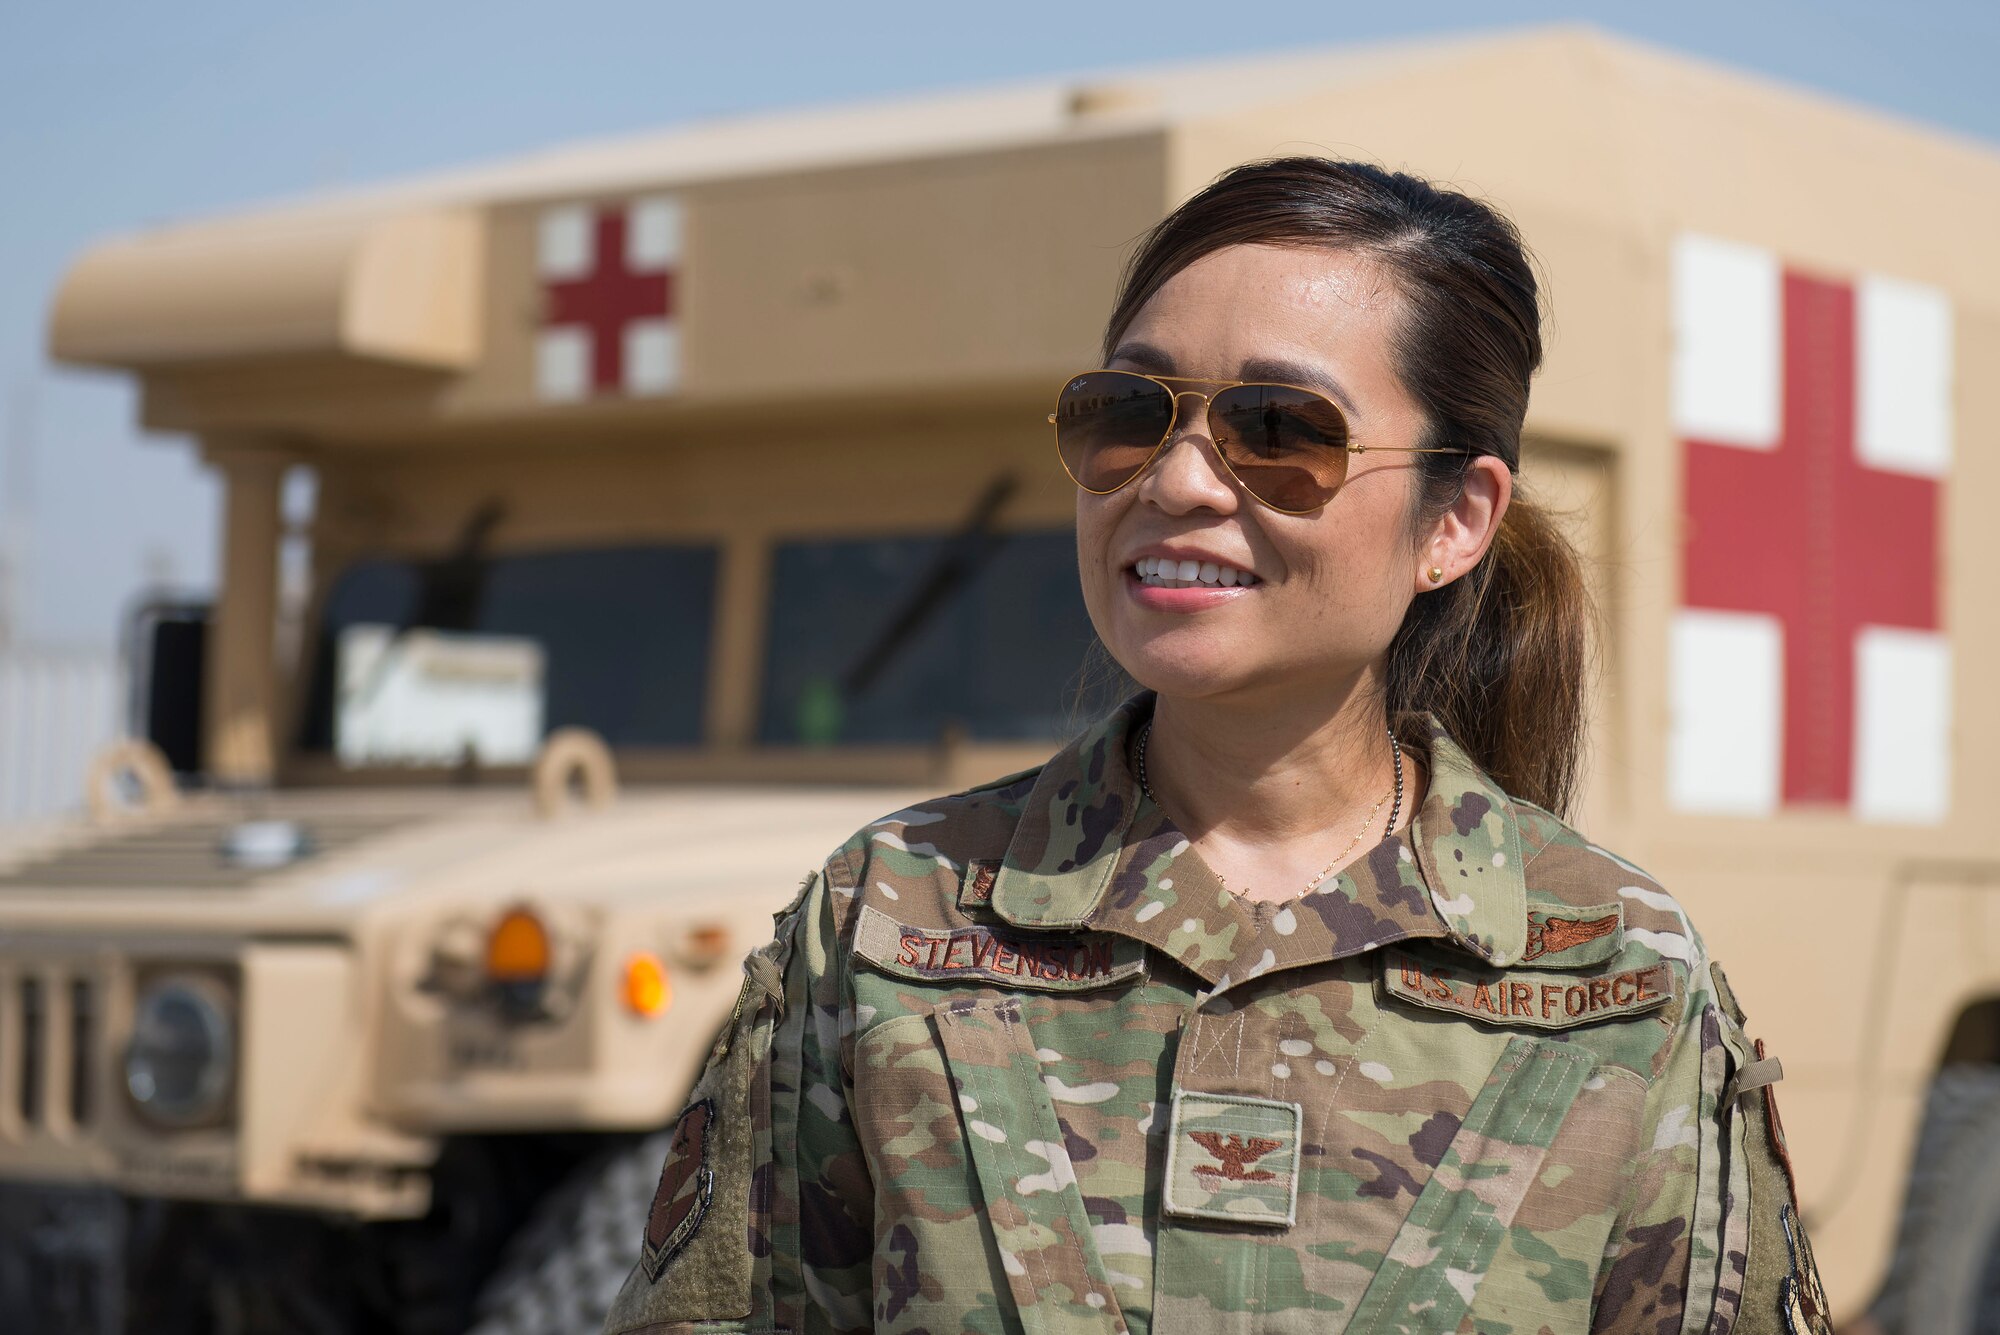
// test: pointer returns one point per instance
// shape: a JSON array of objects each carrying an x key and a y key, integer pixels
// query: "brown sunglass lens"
[
  {"x": 1288, "y": 447},
  {"x": 1108, "y": 423}
]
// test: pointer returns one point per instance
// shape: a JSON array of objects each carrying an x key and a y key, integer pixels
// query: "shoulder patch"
[
  {"x": 1046, "y": 961},
  {"x": 1806, "y": 1311},
  {"x": 687, "y": 1184},
  {"x": 1572, "y": 938},
  {"x": 1508, "y": 997},
  {"x": 1774, "y": 1126}
]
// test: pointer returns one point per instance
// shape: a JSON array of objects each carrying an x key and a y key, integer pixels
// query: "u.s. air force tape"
[
  {"x": 1047, "y": 961},
  {"x": 1523, "y": 996}
]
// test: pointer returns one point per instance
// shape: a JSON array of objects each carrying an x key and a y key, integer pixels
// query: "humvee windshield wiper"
[
  {"x": 451, "y": 590},
  {"x": 965, "y": 554}
]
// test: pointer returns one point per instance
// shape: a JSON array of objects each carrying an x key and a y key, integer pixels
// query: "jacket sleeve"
[
  {"x": 762, "y": 1217},
  {"x": 1708, "y": 1240}
]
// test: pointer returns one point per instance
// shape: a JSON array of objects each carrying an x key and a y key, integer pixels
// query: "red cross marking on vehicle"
[
  {"x": 1809, "y": 534},
  {"x": 609, "y": 297}
]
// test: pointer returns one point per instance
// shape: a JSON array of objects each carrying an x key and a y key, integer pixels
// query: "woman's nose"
[{"x": 1188, "y": 473}]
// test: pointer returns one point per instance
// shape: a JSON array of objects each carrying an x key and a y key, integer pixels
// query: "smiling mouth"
[{"x": 1157, "y": 572}]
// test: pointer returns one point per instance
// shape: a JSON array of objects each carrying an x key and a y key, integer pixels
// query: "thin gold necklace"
[{"x": 1395, "y": 751}]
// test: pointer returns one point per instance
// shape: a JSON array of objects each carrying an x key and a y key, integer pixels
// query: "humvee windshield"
[
  {"x": 996, "y": 652},
  {"x": 876, "y": 639},
  {"x": 625, "y": 630}
]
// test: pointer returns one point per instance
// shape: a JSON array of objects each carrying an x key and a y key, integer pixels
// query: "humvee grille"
[
  {"x": 34, "y": 1050},
  {"x": 186, "y": 855},
  {"x": 48, "y": 1044}
]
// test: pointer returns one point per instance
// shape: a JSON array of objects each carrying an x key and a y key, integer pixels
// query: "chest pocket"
[
  {"x": 1054, "y": 1273},
  {"x": 1431, "y": 1270}
]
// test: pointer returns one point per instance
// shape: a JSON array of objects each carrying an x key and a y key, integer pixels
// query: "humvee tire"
[
  {"x": 202, "y": 1269},
  {"x": 1944, "y": 1278},
  {"x": 560, "y": 1273}
]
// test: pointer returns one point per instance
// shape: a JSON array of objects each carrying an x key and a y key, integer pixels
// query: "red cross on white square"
[
  {"x": 609, "y": 316},
  {"x": 1809, "y": 659}
]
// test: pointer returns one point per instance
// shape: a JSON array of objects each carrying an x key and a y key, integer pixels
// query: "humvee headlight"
[
  {"x": 182, "y": 1054},
  {"x": 646, "y": 990}
]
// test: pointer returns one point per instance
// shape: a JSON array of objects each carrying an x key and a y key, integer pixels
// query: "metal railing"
[{"x": 58, "y": 708}]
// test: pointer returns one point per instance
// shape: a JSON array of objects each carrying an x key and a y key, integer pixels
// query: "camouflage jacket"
[{"x": 1016, "y": 1061}]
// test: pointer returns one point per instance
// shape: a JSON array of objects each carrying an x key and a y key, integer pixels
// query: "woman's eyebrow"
[
  {"x": 1145, "y": 356},
  {"x": 1297, "y": 373},
  {"x": 1149, "y": 358}
]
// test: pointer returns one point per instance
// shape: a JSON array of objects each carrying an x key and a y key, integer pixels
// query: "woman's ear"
[{"x": 1464, "y": 532}]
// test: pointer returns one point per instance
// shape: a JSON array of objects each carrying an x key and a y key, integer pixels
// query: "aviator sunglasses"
[{"x": 1284, "y": 444}]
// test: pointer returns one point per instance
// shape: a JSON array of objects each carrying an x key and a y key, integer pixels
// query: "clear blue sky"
[{"x": 120, "y": 114}]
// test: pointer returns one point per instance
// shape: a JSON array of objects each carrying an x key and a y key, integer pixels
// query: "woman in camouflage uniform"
[{"x": 1282, "y": 998}]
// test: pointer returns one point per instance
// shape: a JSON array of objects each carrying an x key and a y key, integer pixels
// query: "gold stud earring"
[{"x": 1436, "y": 574}]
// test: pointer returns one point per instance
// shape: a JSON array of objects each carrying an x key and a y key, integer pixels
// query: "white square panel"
[
  {"x": 1902, "y": 725},
  {"x": 653, "y": 233},
  {"x": 652, "y": 356},
  {"x": 566, "y": 241},
  {"x": 562, "y": 362},
  {"x": 1725, "y": 752},
  {"x": 1903, "y": 367},
  {"x": 427, "y": 697},
  {"x": 1728, "y": 373}
]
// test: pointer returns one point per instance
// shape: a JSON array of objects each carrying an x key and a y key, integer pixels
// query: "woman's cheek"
[{"x": 1093, "y": 560}]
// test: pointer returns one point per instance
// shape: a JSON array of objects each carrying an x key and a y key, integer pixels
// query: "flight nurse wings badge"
[{"x": 1570, "y": 938}]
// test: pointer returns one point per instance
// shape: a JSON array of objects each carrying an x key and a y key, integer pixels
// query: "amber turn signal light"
[
  {"x": 645, "y": 989},
  {"x": 517, "y": 951}
]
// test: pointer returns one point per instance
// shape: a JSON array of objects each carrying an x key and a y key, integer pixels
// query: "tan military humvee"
[
  {"x": 436, "y": 989},
  {"x": 715, "y": 461}
]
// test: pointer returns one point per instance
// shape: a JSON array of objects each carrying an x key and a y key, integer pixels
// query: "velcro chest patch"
[
  {"x": 1232, "y": 1157},
  {"x": 1045, "y": 961},
  {"x": 1523, "y": 997}
]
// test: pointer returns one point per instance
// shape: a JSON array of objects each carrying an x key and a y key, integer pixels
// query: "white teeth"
[{"x": 1160, "y": 572}]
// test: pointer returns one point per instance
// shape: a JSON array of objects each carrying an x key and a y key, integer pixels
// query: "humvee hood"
[{"x": 220, "y": 864}]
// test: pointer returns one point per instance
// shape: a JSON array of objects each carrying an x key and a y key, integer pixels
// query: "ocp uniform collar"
[{"x": 1090, "y": 850}]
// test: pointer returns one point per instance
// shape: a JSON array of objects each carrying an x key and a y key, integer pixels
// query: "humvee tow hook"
[
  {"x": 573, "y": 760},
  {"x": 135, "y": 763}
]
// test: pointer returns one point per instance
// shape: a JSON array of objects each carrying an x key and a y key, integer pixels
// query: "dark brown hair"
[{"x": 1499, "y": 655}]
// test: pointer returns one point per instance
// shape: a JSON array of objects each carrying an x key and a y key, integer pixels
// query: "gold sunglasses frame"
[{"x": 1167, "y": 383}]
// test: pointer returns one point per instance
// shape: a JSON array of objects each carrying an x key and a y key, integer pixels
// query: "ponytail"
[{"x": 1502, "y": 657}]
